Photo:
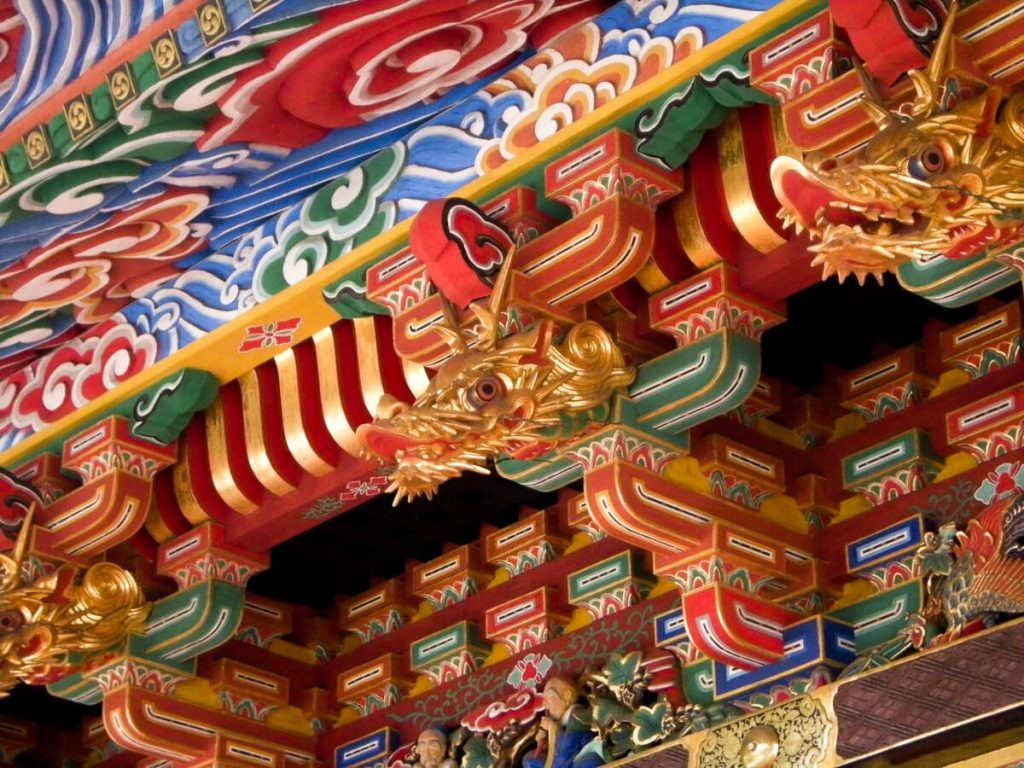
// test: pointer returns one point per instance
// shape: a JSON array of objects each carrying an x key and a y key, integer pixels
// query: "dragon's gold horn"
[
  {"x": 928, "y": 84},
  {"x": 24, "y": 534},
  {"x": 452, "y": 339},
  {"x": 501, "y": 283},
  {"x": 879, "y": 115},
  {"x": 487, "y": 328},
  {"x": 872, "y": 100},
  {"x": 926, "y": 93},
  {"x": 939, "y": 61},
  {"x": 450, "y": 331},
  {"x": 10, "y": 565}
]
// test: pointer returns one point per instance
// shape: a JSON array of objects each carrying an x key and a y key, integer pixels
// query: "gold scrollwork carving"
[
  {"x": 796, "y": 734},
  {"x": 941, "y": 177},
  {"x": 495, "y": 395},
  {"x": 68, "y": 611}
]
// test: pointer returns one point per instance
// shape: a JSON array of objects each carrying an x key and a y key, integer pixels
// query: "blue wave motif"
[
  {"x": 667, "y": 17},
  {"x": 188, "y": 307},
  {"x": 443, "y": 153}
]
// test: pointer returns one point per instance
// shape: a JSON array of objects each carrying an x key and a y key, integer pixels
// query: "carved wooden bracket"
[
  {"x": 612, "y": 192},
  {"x": 113, "y": 502},
  {"x": 161, "y": 726},
  {"x": 734, "y": 568}
]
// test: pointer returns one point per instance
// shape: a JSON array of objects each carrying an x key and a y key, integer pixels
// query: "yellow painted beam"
[{"x": 217, "y": 351}]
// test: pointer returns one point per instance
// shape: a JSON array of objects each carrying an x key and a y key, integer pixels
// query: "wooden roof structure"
[{"x": 551, "y": 270}]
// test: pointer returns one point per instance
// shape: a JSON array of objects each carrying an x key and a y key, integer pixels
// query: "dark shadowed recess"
[
  {"x": 33, "y": 703},
  {"x": 374, "y": 540},
  {"x": 845, "y": 325}
]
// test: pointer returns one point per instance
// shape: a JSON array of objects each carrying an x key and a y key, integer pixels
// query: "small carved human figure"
[
  {"x": 564, "y": 731},
  {"x": 431, "y": 748}
]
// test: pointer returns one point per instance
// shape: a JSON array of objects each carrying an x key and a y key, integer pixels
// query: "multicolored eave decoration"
[{"x": 278, "y": 276}]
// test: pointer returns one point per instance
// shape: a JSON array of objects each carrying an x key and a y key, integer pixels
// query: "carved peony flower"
[
  {"x": 1001, "y": 483},
  {"x": 529, "y": 671}
]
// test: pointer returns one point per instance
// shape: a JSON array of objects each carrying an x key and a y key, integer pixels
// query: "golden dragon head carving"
[
  {"x": 43, "y": 621},
  {"x": 493, "y": 396},
  {"x": 943, "y": 176}
]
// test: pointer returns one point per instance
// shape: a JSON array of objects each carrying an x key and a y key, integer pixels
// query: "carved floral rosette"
[{"x": 800, "y": 731}]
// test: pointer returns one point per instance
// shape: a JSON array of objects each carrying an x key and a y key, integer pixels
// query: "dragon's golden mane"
[{"x": 494, "y": 396}]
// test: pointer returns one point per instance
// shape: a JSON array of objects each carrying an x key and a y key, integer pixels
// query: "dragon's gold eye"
[
  {"x": 10, "y": 620},
  {"x": 485, "y": 390},
  {"x": 927, "y": 162}
]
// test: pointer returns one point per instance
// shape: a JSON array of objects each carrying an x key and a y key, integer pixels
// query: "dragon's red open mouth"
[
  {"x": 390, "y": 444},
  {"x": 802, "y": 194},
  {"x": 969, "y": 240},
  {"x": 812, "y": 203}
]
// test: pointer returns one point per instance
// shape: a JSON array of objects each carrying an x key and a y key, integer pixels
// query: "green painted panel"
[
  {"x": 888, "y": 456},
  {"x": 695, "y": 383},
  {"x": 956, "y": 282},
  {"x": 699, "y": 682},
  {"x": 450, "y": 641},
  {"x": 189, "y": 623},
  {"x": 880, "y": 618},
  {"x": 603, "y": 576}
]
